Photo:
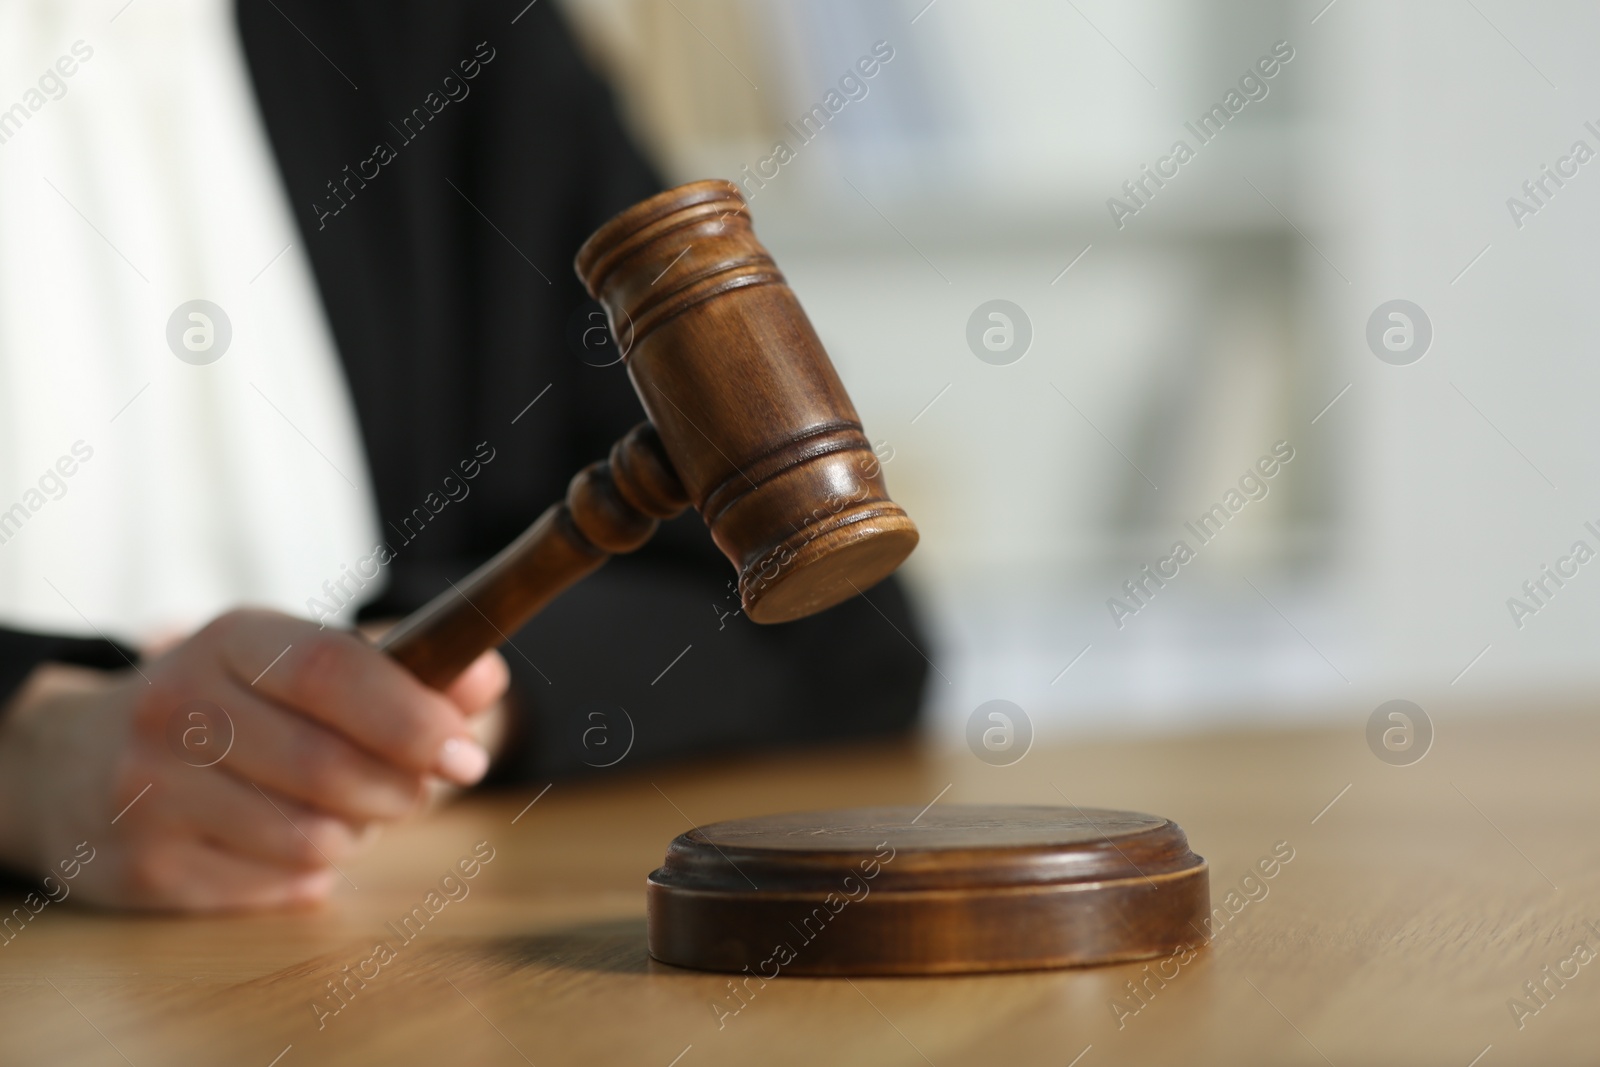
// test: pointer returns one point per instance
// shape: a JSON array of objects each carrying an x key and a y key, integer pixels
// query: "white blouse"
[{"x": 160, "y": 461}]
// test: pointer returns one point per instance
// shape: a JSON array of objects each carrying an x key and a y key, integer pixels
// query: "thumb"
[{"x": 480, "y": 685}]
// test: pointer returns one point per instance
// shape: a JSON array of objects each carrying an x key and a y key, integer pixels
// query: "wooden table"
[{"x": 1418, "y": 902}]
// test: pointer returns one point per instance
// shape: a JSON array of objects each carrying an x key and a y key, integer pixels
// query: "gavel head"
[{"x": 749, "y": 408}]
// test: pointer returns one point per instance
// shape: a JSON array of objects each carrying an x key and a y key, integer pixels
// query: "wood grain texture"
[
  {"x": 1413, "y": 908},
  {"x": 750, "y": 409},
  {"x": 947, "y": 889},
  {"x": 749, "y": 422}
]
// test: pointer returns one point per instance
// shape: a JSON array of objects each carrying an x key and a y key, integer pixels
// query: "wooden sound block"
[{"x": 954, "y": 888}]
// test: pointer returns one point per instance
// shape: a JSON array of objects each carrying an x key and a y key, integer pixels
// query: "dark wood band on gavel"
[
  {"x": 611, "y": 507},
  {"x": 748, "y": 422},
  {"x": 751, "y": 411}
]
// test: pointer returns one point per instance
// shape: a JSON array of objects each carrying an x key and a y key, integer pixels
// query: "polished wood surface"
[
  {"x": 1417, "y": 903},
  {"x": 750, "y": 409},
  {"x": 935, "y": 889},
  {"x": 749, "y": 422}
]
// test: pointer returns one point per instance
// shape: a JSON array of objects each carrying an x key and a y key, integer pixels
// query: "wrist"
[{"x": 35, "y": 705}]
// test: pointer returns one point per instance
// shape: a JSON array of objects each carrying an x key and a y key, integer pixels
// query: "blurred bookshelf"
[{"x": 977, "y": 163}]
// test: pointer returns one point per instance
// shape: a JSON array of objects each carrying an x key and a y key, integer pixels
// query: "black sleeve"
[
  {"x": 21, "y": 652},
  {"x": 644, "y": 663},
  {"x": 446, "y": 275}
]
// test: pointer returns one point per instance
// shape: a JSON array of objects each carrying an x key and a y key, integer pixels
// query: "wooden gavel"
[{"x": 748, "y": 421}]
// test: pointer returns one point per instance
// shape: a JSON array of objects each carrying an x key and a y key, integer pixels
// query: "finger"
[
  {"x": 481, "y": 684},
  {"x": 248, "y": 821},
  {"x": 313, "y": 765},
  {"x": 346, "y": 684},
  {"x": 189, "y": 875},
  {"x": 212, "y": 880}
]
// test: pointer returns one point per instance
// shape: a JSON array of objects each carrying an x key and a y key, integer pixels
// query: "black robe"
[{"x": 444, "y": 163}]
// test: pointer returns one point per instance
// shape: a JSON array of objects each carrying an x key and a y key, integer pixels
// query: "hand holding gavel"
[{"x": 748, "y": 421}]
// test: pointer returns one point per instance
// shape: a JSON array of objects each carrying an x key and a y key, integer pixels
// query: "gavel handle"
[{"x": 611, "y": 507}]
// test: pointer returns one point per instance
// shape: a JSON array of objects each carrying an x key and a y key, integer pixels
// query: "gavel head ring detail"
[
  {"x": 748, "y": 407},
  {"x": 748, "y": 422}
]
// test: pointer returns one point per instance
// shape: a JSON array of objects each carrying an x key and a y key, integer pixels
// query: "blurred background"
[{"x": 1177, "y": 340}]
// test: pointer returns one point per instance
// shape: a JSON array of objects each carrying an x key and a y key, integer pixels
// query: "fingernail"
[
  {"x": 463, "y": 761},
  {"x": 313, "y": 887}
]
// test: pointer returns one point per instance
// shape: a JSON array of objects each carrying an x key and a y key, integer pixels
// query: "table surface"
[{"x": 1418, "y": 902}]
